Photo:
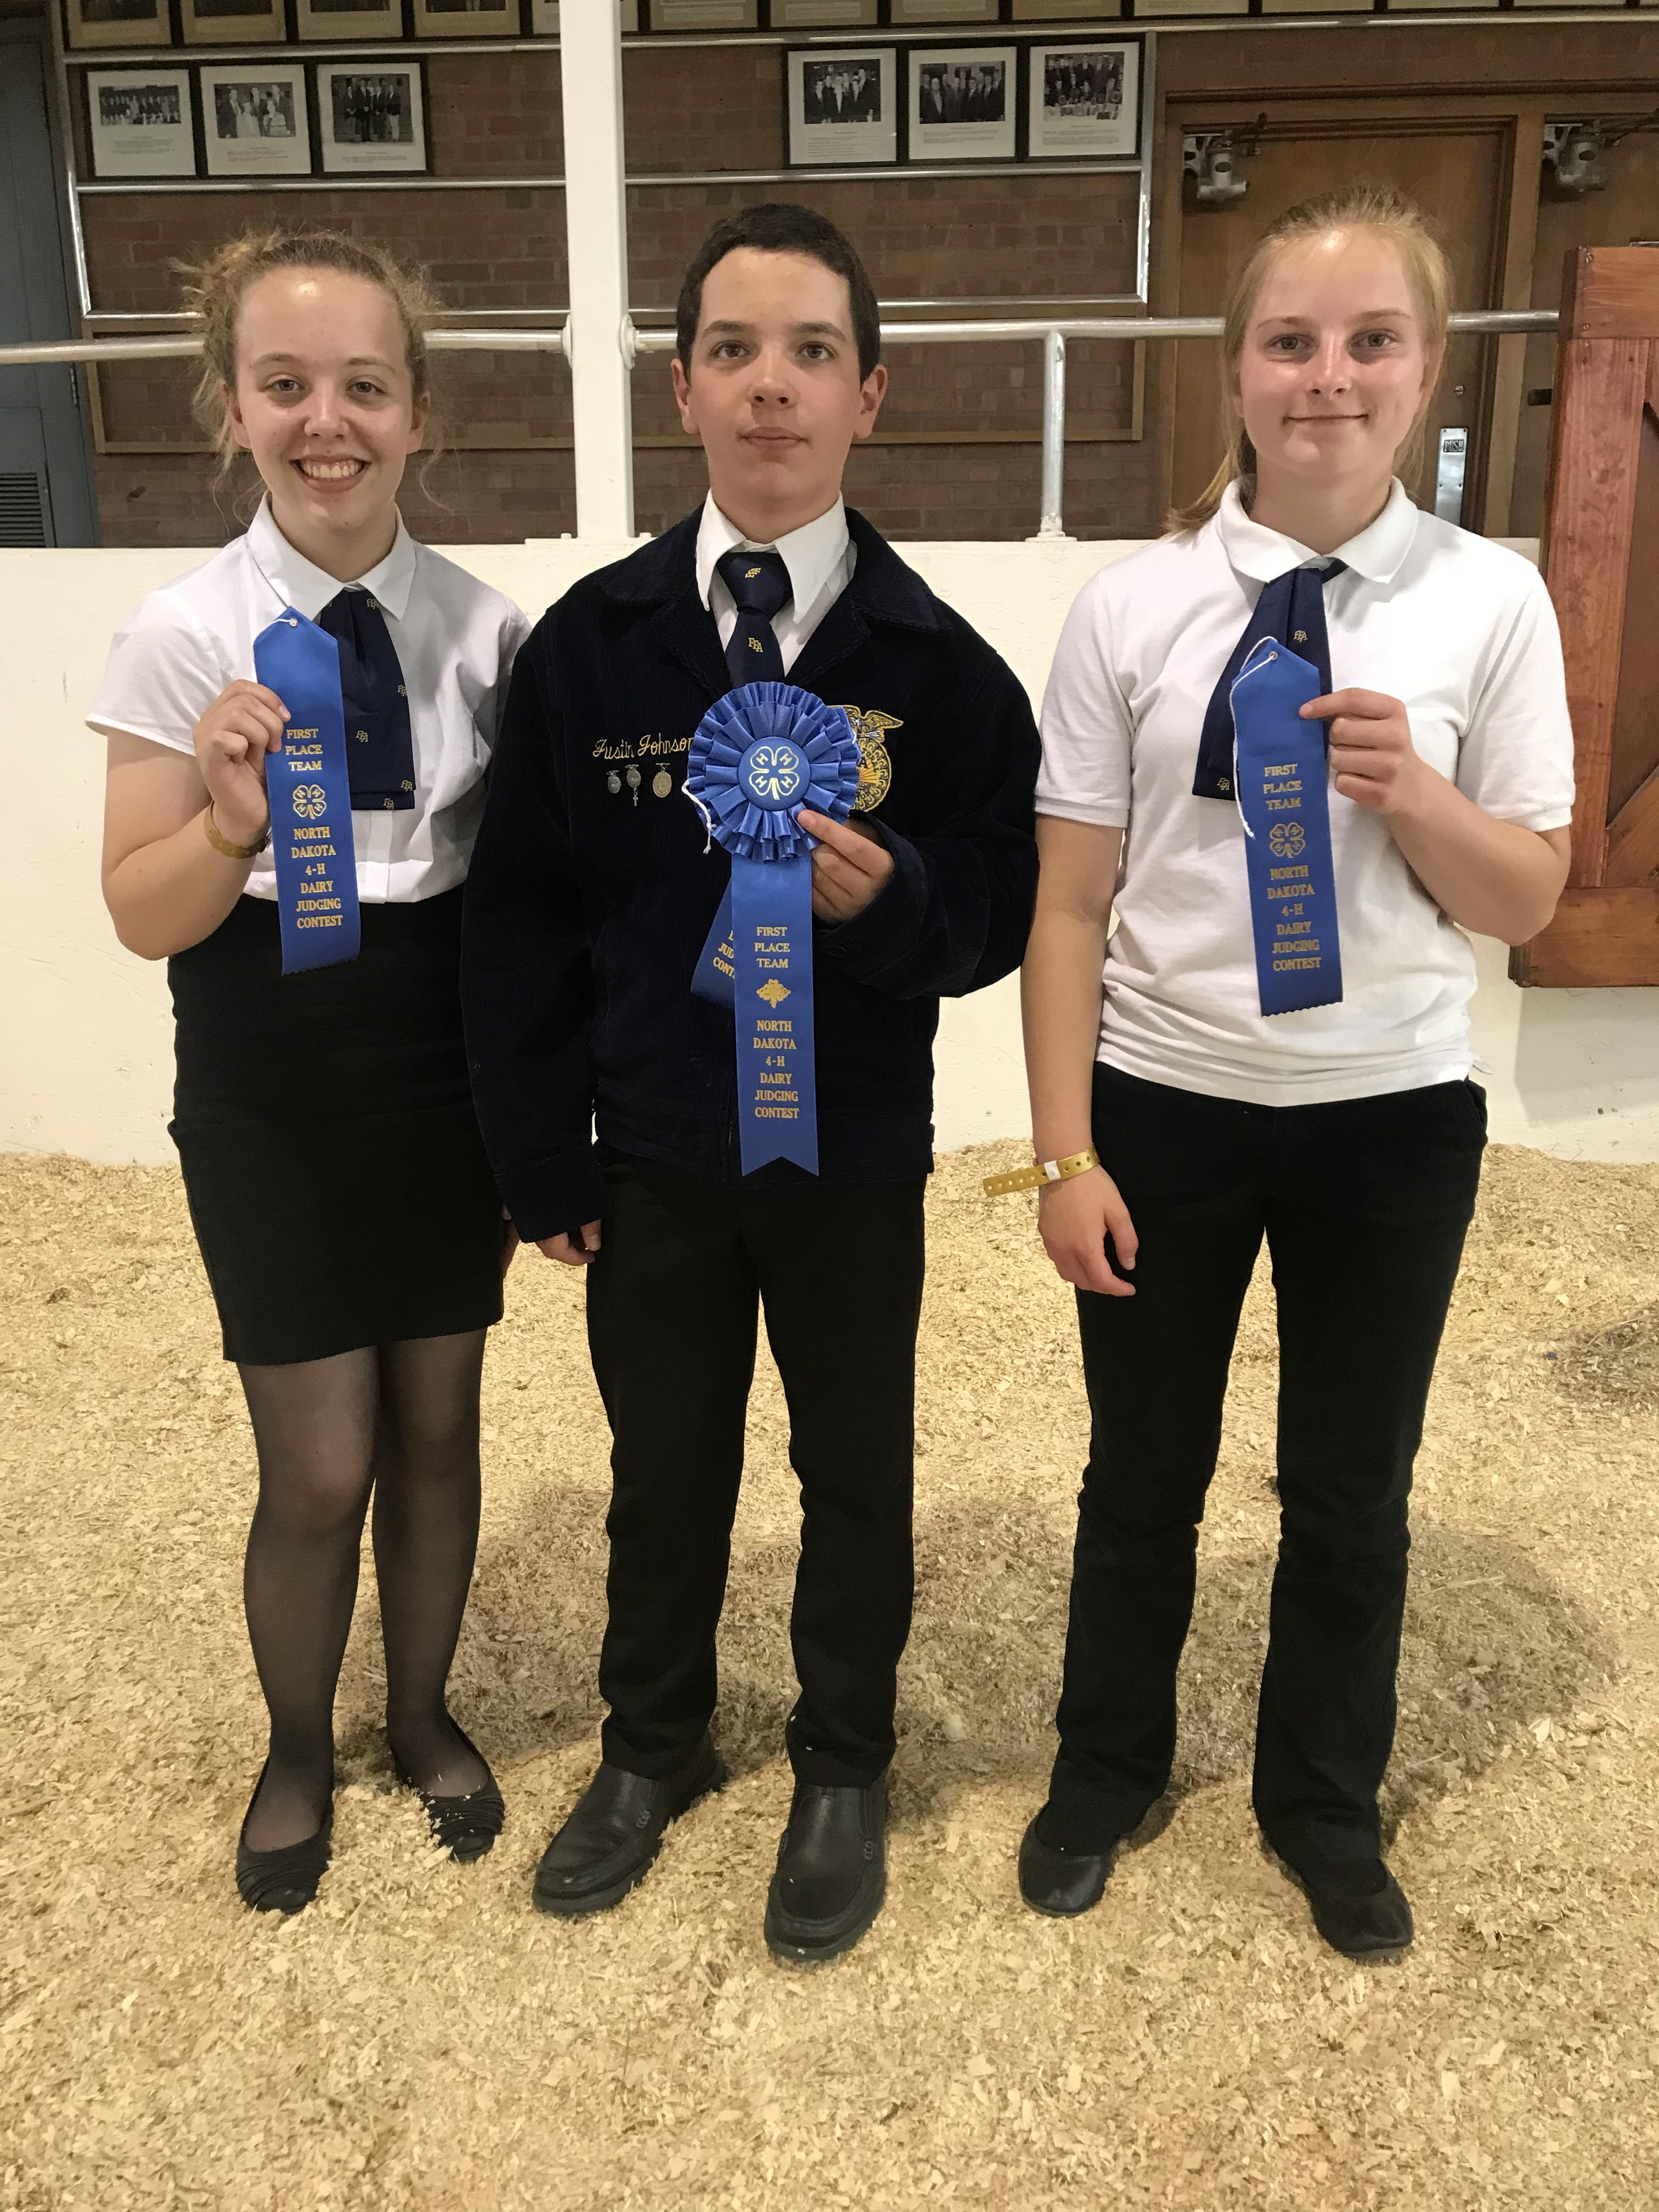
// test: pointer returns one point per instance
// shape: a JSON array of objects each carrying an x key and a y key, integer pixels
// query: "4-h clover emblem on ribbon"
[
  {"x": 1286, "y": 841},
  {"x": 309, "y": 800},
  {"x": 774, "y": 773}
]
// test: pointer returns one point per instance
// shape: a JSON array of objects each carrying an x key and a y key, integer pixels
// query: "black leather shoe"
[
  {"x": 466, "y": 1826},
  {"x": 615, "y": 1831},
  {"x": 1058, "y": 1882},
  {"x": 831, "y": 1874},
  {"x": 285, "y": 1879},
  {"x": 1357, "y": 1906}
]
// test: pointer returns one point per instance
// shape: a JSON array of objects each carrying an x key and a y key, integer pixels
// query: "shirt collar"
[
  {"x": 1262, "y": 554},
  {"x": 809, "y": 554},
  {"x": 298, "y": 583}
]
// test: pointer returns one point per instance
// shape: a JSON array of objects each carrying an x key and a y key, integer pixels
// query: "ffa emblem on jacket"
[{"x": 875, "y": 764}]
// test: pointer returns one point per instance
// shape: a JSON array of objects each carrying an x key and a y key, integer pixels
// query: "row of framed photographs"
[
  {"x": 258, "y": 118},
  {"x": 277, "y": 22},
  {"x": 1028, "y": 99}
]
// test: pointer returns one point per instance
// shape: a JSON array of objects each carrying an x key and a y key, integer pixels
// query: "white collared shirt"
[
  {"x": 1461, "y": 630},
  {"x": 820, "y": 557},
  {"x": 455, "y": 640}
]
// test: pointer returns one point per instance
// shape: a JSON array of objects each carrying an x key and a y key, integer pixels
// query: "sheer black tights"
[{"x": 399, "y": 1423}]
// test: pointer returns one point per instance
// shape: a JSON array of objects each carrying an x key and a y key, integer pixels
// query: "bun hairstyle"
[
  {"x": 214, "y": 290},
  {"x": 1377, "y": 208}
]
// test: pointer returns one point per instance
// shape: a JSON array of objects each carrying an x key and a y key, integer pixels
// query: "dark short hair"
[{"x": 781, "y": 227}]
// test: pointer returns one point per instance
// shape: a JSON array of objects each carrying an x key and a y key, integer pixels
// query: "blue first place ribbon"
[
  {"x": 309, "y": 788},
  {"x": 1280, "y": 782},
  {"x": 760, "y": 755}
]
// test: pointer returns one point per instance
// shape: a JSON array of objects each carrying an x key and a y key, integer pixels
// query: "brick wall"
[{"x": 509, "y": 472}]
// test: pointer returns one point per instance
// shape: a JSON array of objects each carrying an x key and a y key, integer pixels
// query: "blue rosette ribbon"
[{"x": 760, "y": 755}]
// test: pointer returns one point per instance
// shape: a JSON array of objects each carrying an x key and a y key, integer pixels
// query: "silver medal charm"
[
  {"x": 613, "y": 784},
  {"x": 632, "y": 780}
]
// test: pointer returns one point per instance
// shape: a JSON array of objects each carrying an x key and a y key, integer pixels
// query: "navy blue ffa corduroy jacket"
[{"x": 586, "y": 906}]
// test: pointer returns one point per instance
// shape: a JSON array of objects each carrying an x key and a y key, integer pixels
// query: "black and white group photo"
[
  {"x": 373, "y": 108},
  {"x": 1083, "y": 84},
  {"x": 129, "y": 106},
  {"x": 841, "y": 91},
  {"x": 962, "y": 92},
  {"x": 254, "y": 111}
]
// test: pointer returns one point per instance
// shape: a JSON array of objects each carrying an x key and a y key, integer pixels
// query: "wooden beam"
[
  {"x": 1610, "y": 293},
  {"x": 1599, "y": 938},
  {"x": 1599, "y": 391},
  {"x": 1633, "y": 835}
]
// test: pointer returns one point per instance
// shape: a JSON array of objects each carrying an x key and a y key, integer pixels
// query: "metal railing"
[{"x": 1051, "y": 333}]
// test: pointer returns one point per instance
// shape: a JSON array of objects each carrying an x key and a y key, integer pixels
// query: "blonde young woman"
[
  {"x": 1191, "y": 1123},
  {"x": 346, "y": 1213}
]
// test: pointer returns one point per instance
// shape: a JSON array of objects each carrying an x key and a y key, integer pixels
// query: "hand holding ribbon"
[
  {"x": 1372, "y": 753},
  {"x": 761, "y": 755},
  {"x": 243, "y": 724},
  {"x": 850, "y": 866}
]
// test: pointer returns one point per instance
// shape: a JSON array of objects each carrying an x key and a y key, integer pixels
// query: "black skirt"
[{"x": 336, "y": 1176}]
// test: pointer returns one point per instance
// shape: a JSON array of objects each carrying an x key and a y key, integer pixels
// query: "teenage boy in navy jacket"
[{"x": 591, "y": 893}]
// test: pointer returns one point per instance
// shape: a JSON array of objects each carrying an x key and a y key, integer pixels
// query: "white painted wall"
[{"x": 87, "y": 1062}]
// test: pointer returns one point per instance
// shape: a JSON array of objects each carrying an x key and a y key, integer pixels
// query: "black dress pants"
[
  {"x": 1365, "y": 1204},
  {"x": 671, "y": 1309}
]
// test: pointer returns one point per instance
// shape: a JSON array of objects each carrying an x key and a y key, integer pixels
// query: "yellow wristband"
[
  {"x": 221, "y": 843},
  {"x": 1032, "y": 1178}
]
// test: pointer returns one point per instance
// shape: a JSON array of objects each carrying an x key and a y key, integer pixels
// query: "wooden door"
[
  {"x": 1455, "y": 169},
  {"x": 1601, "y": 557}
]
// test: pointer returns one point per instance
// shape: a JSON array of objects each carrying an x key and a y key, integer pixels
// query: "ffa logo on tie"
[
  {"x": 875, "y": 764},
  {"x": 1286, "y": 839}
]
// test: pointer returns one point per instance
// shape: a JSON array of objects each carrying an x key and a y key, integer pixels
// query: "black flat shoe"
[
  {"x": 466, "y": 1827},
  {"x": 1357, "y": 1906},
  {"x": 615, "y": 1831},
  {"x": 285, "y": 1879},
  {"x": 1060, "y": 1883},
  {"x": 831, "y": 1875}
]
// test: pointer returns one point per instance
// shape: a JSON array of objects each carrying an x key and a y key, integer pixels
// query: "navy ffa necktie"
[
  {"x": 759, "y": 583},
  {"x": 379, "y": 743},
  {"x": 1292, "y": 610}
]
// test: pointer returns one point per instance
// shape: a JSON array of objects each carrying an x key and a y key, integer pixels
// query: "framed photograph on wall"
[
  {"x": 1083, "y": 98},
  {"x": 232, "y": 22},
  {"x": 256, "y": 119},
  {"x": 139, "y": 123},
  {"x": 466, "y": 19},
  {"x": 544, "y": 18},
  {"x": 371, "y": 117},
  {"x": 703, "y": 15},
  {"x": 943, "y": 11},
  {"x": 349, "y": 20},
  {"x": 962, "y": 103},
  {"x": 821, "y": 15},
  {"x": 841, "y": 107},
  {"x": 117, "y": 23}
]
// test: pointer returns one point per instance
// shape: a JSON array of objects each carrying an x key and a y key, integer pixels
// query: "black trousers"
[
  {"x": 1365, "y": 1205},
  {"x": 671, "y": 1308}
]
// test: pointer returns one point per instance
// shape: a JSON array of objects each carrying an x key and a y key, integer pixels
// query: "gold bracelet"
[
  {"x": 999, "y": 1185},
  {"x": 221, "y": 843}
]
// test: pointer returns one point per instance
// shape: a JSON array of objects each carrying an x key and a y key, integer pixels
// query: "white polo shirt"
[
  {"x": 820, "y": 557},
  {"x": 1461, "y": 630},
  {"x": 455, "y": 640}
]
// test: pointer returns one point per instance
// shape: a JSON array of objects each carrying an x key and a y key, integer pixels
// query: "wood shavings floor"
[{"x": 419, "y": 2038}]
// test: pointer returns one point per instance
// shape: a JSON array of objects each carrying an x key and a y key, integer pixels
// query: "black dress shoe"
[
  {"x": 1058, "y": 1882},
  {"x": 1357, "y": 1906},
  {"x": 615, "y": 1831},
  {"x": 466, "y": 1826},
  {"x": 831, "y": 1874},
  {"x": 285, "y": 1879}
]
